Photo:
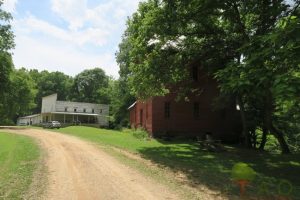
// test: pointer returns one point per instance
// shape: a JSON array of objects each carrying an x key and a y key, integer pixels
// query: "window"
[
  {"x": 93, "y": 110},
  {"x": 75, "y": 109},
  {"x": 84, "y": 110},
  {"x": 66, "y": 109},
  {"x": 167, "y": 110},
  {"x": 196, "y": 110},
  {"x": 195, "y": 73}
]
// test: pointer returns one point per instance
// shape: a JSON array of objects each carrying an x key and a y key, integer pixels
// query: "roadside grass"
[
  {"x": 277, "y": 175},
  {"x": 19, "y": 156}
]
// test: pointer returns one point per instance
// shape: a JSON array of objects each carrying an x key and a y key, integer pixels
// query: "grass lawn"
[
  {"x": 276, "y": 174},
  {"x": 18, "y": 160}
]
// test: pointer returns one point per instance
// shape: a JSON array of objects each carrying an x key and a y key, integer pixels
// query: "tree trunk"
[
  {"x": 269, "y": 109},
  {"x": 263, "y": 139},
  {"x": 284, "y": 146},
  {"x": 244, "y": 123}
]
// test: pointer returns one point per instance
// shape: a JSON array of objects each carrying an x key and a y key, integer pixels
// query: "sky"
[{"x": 68, "y": 35}]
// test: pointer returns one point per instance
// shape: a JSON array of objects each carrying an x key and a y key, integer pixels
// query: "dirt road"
[{"x": 80, "y": 170}]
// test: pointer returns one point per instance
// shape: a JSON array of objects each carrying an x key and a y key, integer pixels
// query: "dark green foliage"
[
  {"x": 6, "y": 34},
  {"x": 6, "y": 67},
  {"x": 48, "y": 83},
  {"x": 6, "y": 64},
  {"x": 90, "y": 86},
  {"x": 251, "y": 47}
]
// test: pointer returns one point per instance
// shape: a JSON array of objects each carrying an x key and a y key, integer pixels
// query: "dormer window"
[
  {"x": 84, "y": 110},
  {"x": 93, "y": 110},
  {"x": 75, "y": 109},
  {"x": 66, "y": 109}
]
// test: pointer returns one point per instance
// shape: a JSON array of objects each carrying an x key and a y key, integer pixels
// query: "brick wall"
[{"x": 223, "y": 123}]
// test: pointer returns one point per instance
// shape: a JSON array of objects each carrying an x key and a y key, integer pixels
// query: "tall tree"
[
  {"x": 122, "y": 96},
  {"x": 6, "y": 64},
  {"x": 48, "y": 83},
  {"x": 222, "y": 36},
  {"x": 91, "y": 86},
  {"x": 21, "y": 99}
]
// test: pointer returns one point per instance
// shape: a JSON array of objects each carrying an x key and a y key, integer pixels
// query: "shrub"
[{"x": 141, "y": 134}]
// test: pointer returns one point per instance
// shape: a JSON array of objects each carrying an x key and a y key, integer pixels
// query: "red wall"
[
  {"x": 223, "y": 124},
  {"x": 146, "y": 118}
]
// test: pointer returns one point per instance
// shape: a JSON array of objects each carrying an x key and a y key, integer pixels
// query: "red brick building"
[{"x": 163, "y": 115}]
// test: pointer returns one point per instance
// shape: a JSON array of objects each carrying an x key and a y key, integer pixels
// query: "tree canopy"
[
  {"x": 6, "y": 64},
  {"x": 89, "y": 86},
  {"x": 250, "y": 47}
]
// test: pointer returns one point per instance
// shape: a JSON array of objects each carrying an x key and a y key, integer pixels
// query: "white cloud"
[
  {"x": 72, "y": 11},
  {"x": 32, "y": 25},
  {"x": 106, "y": 15},
  {"x": 71, "y": 49},
  {"x": 10, "y": 5},
  {"x": 41, "y": 54}
]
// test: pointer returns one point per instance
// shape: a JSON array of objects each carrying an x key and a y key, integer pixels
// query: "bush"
[
  {"x": 141, "y": 134},
  {"x": 272, "y": 144},
  {"x": 7, "y": 122}
]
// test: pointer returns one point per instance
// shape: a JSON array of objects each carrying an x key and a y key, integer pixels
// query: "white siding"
[
  {"x": 51, "y": 106},
  {"x": 34, "y": 119},
  {"x": 103, "y": 120},
  {"x": 98, "y": 108},
  {"x": 48, "y": 103}
]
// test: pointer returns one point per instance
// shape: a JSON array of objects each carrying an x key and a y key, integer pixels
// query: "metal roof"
[
  {"x": 76, "y": 113},
  {"x": 132, "y": 105},
  {"x": 30, "y": 116}
]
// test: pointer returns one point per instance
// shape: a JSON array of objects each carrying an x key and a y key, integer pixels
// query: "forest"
[{"x": 25, "y": 88}]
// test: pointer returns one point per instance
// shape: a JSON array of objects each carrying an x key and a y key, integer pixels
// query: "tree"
[
  {"x": 6, "y": 64},
  {"x": 22, "y": 98},
  {"x": 268, "y": 75},
  {"x": 91, "y": 86},
  {"x": 122, "y": 96},
  {"x": 225, "y": 38},
  {"x": 48, "y": 83},
  {"x": 6, "y": 34}
]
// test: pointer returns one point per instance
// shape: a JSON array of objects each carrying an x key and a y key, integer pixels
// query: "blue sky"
[{"x": 68, "y": 35}]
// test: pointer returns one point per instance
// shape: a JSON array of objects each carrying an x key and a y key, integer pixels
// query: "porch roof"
[
  {"x": 30, "y": 116},
  {"x": 75, "y": 113}
]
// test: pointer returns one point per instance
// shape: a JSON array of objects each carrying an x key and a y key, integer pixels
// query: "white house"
[{"x": 67, "y": 112}]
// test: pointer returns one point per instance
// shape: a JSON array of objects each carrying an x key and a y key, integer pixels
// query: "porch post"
[{"x": 64, "y": 118}]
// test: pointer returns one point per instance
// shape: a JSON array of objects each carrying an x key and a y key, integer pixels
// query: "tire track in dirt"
[{"x": 79, "y": 170}]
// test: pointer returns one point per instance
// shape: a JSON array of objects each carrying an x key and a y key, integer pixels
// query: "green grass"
[
  {"x": 18, "y": 160},
  {"x": 201, "y": 167}
]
